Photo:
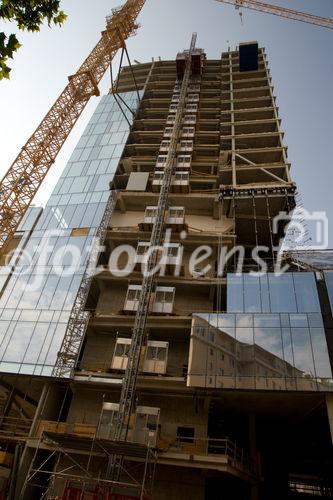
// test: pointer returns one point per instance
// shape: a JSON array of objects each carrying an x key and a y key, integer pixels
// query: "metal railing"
[{"x": 208, "y": 447}]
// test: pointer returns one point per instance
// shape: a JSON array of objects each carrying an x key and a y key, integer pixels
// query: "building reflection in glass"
[
  {"x": 34, "y": 318},
  {"x": 259, "y": 351}
]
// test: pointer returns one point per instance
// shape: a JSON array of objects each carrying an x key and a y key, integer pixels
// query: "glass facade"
[
  {"x": 37, "y": 298},
  {"x": 271, "y": 338},
  {"x": 272, "y": 293},
  {"x": 260, "y": 351},
  {"x": 328, "y": 275}
]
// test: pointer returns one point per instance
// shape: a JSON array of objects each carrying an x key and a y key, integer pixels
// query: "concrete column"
[
  {"x": 253, "y": 453},
  {"x": 28, "y": 452},
  {"x": 232, "y": 109},
  {"x": 329, "y": 406}
]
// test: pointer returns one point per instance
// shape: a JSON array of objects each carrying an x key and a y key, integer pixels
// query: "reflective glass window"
[
  {"x": 53, "y": 296},
  {"x": 235, "y": 297},
  {"x": 315, "y": 320},
  {"x": 282, "y": 296},
  {"x": 19, "y": 342},
  {"x": 245, "y": 335},
  {"x": 306, "y": 292},
  {"x": 3, "y": 329},
  {"x": 252, "y": 301},
  {"x": 264, "y": 292},
  {"x": 320, "y": 353},
  {"x": 78, "y": 184},
  {"x": 285, "y": 321},
  {"x": 287, "y": 347},
  {"x": 298, "y": 320},
  {"x": 90, "y": 214},
  {"x": 106, "y": 152},
  {"x": 6, "y": 315},
  {"x": 6, "y": 336},
  {"x": 267, "y": 320},
  {"x": 46, "y": 342},
  {"x": 302, "y": 352},
  {"x": 37, "y": 340},
  {"x": 103, "y": 183},
  {"x": 48, "y": 292},
  {"x": 223, "y": 320},
  {"x": 270, "y": 340},
  {"x": 244, "y": 320},
  {"x": 328, "y": 275},
  {"x": 55, "y": 344}
]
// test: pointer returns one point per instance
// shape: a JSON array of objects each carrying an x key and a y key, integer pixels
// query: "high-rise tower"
[{"x": 226, "y": 392}]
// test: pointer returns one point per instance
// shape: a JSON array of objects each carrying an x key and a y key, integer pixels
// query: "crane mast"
[
  {"x": 276, "y": 10},
  {"x": 23, "y": 179},
  {"x": 21, "y": 182}
]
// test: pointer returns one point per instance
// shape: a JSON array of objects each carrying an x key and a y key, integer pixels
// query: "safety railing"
[{"x": 208, "y": 447}]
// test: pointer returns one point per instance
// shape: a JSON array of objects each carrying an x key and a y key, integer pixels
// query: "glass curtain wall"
[{"x": 36, "y": 301}]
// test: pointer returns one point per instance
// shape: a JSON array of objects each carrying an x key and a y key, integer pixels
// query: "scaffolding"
[
  {"x": 79, "y": 318},
  {"x": 127, "y": 396},
  {"x": 119, "y": 454},
  {"x": 67, "y": 476}
]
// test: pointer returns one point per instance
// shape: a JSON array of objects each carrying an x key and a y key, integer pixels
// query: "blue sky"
[{"x": 299, "y": 55}]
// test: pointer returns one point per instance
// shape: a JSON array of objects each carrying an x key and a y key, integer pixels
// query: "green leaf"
[
  {"x": 4, "y": 70},
  {"x": 13, "y": 45},
  {"x": 60, "y": 18},
  {"x": 29, "y": 15}
]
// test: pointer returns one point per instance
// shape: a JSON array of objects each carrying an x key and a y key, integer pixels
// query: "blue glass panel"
[
  {"x": 264, "y": 291},
  {"x": 303, "y": 352},
  {"x": 267, "y": 320},
  {"x": 244, "y": 320},
  {"x": 77, "y": 201},
  {"x": 282, "y": 296},
  {"x": 288, "y": 354},
  {"x": 298, "y": 320},
  {"x": 252, "y": 302},
  {"x": 19, "y": 342},
  {"x": 306, "y": 292},
  {"x": 320, "y": 353},
  {"x": 235, "y": 291}
]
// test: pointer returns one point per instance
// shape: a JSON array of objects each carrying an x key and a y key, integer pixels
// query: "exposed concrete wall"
[
  {"x": 176, "y": 411},
  {"x": 128, "y": 219},
  {"x": 193, "y": 299},
  {"x": 99, "y": 351},
  {"x": 111, "y": 300},
  {"x": 207, "y": 224},
  {"x": 86, "y": 407},
  {"x": 179, "y": 412},
  {"x": 196, "y": 222},
  {"x": 172, "y": 483}
]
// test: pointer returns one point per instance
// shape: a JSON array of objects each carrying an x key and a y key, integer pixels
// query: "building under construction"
[{"x": 168, "y": 372}]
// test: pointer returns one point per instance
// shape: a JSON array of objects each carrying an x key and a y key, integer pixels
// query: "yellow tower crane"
[
  {"x": 281, "y": 11},
  {"x": 23, "y": 179},
  {"x": 21, "y": 182}
]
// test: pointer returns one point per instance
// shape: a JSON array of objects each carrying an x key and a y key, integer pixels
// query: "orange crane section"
[
  {"x": 281, "y": 11},
  {"x": 21, "y": 182}
]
